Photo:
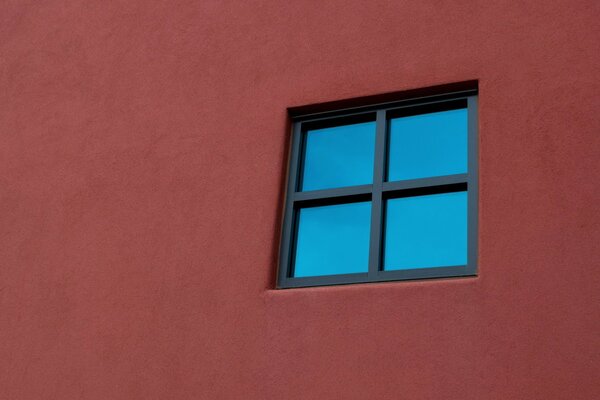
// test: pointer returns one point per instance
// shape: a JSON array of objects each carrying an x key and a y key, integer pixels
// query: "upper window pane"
[
  {"x": 333, "y": 239},
  {"x": 339, "y": 156},
  {"x": 428, "y": 145}
]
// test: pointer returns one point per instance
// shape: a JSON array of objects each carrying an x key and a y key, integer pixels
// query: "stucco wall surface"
[{"x": 143, "y": 149}]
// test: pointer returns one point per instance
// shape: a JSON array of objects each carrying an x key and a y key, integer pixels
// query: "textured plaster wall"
[{"x": 142, "y": 159}]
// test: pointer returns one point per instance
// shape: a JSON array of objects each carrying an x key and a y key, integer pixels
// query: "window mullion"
[{"x": 377, "y": 202}]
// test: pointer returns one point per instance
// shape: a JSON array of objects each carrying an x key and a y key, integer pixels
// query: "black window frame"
[{"x": 380, "y": 190}]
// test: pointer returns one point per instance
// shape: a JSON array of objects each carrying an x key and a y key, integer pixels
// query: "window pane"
[
  {"x": 428, "y": 145},
  {"x": 333, "y": 239},
  {"x": 426, "y": 231},
  {"x": 339, "y": 156}
]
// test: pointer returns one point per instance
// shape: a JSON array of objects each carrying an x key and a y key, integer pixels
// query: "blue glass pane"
[
  {"x": 426, "y": 231},
  {"x": 333, "y": 240},
  {"x": 339, "y": 156},
  {"x": 428, "y": 145}
]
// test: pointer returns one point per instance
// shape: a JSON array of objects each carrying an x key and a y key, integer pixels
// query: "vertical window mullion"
[{"x": 377, "y": 202}]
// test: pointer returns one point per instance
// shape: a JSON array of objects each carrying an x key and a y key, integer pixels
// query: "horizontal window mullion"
[
  {"x": 332, "y": 193},
  {"x": 425, "y": 190},
  {"x": 425, "y": 182}
]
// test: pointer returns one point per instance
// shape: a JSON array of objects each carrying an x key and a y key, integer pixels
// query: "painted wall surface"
[{"x": 143, "y": 148}]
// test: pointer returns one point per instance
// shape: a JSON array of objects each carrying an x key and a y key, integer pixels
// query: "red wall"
[{"x": 142, "y": 159}]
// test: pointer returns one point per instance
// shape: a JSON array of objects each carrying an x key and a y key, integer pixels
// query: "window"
[{"x": 382, "y": 192}]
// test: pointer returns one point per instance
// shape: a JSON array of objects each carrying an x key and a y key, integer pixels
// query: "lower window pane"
[
  {"x": 333, "y": 240},
  {"x": 426, "y": 231}
]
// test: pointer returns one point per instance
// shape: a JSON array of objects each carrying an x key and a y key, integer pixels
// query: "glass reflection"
[
  {"x": 426, "y": 231},
  {"x": 428, "y": 145},
  {"x": 333, "y": 240},
  {"x": 339, "y": 156}
]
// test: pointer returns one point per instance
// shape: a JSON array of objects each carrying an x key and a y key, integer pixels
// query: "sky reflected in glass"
[
  {"x": 426, "y": 231},
  {"x": 333, "y": 240},
  {"x": 339, "y": 156},
  {"x": 428, "y": 145}
]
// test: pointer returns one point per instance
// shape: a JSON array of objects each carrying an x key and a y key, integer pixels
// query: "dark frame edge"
[
  {"x": 473, "y": 183},
  {"x": 455, "y": 89}
]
